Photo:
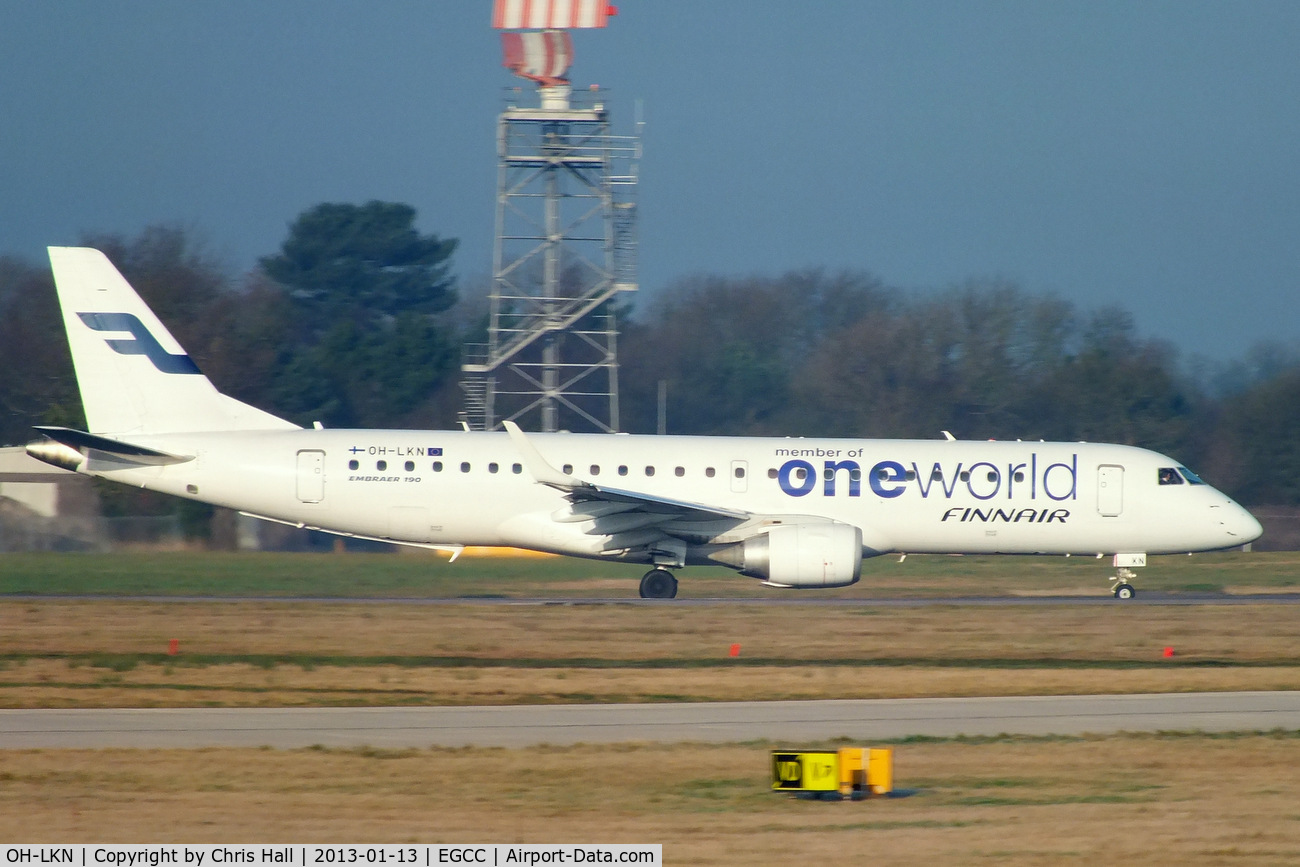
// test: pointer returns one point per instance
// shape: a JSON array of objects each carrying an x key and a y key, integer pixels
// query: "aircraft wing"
[
  {"x": 648, "y": 528},
  {"x": 580, "y": 491}
]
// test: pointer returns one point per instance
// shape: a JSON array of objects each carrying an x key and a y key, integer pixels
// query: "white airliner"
[{"x": 791, "y": 512}]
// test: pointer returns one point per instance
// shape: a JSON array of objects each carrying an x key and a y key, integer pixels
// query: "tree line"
[
  {"x": 820, "y": 354},
  {"x": 355, "y": 322}
]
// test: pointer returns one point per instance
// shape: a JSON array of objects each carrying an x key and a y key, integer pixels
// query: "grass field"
[
  {"x": 1171, "y": 798},
  {"x": 109, "y": 653},
  {"x": 422, "y": 575},
  {"x": 1130, "y": 799}
]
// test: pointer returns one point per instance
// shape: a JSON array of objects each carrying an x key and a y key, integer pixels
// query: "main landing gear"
[{"x": 658, "y": 584}]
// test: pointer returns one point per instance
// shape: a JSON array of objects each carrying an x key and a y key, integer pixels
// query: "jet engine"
[{"x": 799, "y": 555}]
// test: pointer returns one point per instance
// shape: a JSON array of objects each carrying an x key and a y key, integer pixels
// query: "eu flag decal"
[{"x": 435, "y": 453}]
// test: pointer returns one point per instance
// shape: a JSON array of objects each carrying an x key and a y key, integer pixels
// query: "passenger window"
[
  {"x": 992, "y": 477},
  {"x": 516, "y": 468},
  {"x": 801, "y": 473},
  {"x": 771, "y": 472},
  {"x": 595, "y": 469},
  {"x": 568, "y": 469},
  {"x": 1169, "y": 476},
  {"x": 410, "y": 466},
  {"x": 352, "y": 465},
  {"x": 964, "y": 476},
  {"x": 381, "y": 465},
  {"x": 710, "y": 472},
  {"x": 679, "y": 471},
  {"x": 464, "y": 468},
  {"x": 740, "y": 472},
  {"x": 1019, "y": 477},
  {"x": 855, "y": 475},
  {"x": 936, "y": 475},
  {"x": 492, "y": 468},
  {"x": 437, "y": 466},
  {"x": 622, "y": 471},
  {"x": 649, "y": 471}
]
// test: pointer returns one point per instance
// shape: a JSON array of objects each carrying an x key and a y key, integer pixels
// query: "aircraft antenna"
[{"x": 565, "y": 245}]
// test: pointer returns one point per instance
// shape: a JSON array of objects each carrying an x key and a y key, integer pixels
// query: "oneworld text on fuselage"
[{"x": 1030, "y": 479}]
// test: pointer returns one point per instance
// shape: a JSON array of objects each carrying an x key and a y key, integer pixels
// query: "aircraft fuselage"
[{"x": 915, "y": 496}]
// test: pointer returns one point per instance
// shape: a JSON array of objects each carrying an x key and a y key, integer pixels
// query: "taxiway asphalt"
[
  {"x": 1143, "y": 598},
  {"x": 792, "y": 722}
]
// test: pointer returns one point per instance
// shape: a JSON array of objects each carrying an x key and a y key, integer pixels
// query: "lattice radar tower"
[{"x": 565, "y": 246}]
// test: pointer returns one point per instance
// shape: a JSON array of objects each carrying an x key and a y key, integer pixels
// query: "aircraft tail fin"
[{"x": 133, "y": 375}]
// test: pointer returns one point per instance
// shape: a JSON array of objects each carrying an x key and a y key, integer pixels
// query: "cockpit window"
[
  {"x": 1169, "y": 476},
  {"x": 1191, "y": 477}
]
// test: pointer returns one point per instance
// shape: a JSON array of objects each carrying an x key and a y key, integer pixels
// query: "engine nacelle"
[{"x": 800, "y": 555}]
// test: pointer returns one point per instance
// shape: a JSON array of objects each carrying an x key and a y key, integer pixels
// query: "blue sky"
[{"x": 1144, "y": 154}]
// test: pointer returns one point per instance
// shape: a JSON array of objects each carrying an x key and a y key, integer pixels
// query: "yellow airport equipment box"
[
  {"x": 880, "y": 770},
  {"x": 814, "y": 771},
  {"x": 851, "y": 772}
]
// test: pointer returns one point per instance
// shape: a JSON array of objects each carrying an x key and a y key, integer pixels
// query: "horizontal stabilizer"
[{"x": 116, "y": 449}]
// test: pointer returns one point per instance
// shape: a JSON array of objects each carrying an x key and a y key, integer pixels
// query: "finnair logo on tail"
[{"x": 141, "y": 342}]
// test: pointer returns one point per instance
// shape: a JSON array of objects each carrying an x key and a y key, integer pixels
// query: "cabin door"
[
  {"x": 311, "y": 476},
  {"x": 1110, "y": 490}
]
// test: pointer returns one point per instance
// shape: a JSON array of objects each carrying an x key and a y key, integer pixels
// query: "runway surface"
[
  {"x": 516, "y": 726},
  {"x": 1153, "y": 597}
]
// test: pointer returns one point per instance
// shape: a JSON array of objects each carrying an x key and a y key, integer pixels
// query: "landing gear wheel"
[
  {"x": 658, "y": 584},
  {"x": 1124, "y": 590}
]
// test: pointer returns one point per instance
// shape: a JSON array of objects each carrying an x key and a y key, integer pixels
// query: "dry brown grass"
[
  {"x": 110, "y": 654},
  {"x": 55, "y": 683},
  {"x": 1110, "y": 633},
  {"x": 1121, "y": 799},
  {"x": 1108, "y": 800}
]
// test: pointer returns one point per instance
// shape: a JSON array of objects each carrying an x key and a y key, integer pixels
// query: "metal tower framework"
[{"x": 565, "y": 248}]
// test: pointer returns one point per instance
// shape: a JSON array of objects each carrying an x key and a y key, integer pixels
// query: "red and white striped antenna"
[
  {"x": 544, "y": 52},
  {"x": 543, "y": 57},
  {"x": 551, "y": 14}
]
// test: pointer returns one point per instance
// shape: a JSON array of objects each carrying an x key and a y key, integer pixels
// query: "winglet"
[
  {"x": 537, "y": 465},
  {"x": 454, "y": 550}
]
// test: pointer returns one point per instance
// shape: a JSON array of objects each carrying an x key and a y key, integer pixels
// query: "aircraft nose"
[
  {"x": 1253, "y": 527},
  {"x": 1241, "y": 525}
]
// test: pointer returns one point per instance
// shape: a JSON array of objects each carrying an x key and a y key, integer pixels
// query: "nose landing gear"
[
  {"x": 1123, "y": 589},
  {"x": 658, "y": 584},
  {"x": 1124, "y": 566}
]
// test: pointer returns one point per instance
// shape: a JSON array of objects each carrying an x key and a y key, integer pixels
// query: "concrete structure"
[{"x": 44, "y": 508}]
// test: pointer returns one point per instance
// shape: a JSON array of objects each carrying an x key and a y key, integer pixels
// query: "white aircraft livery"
[{"x": 790, "y": 512}]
